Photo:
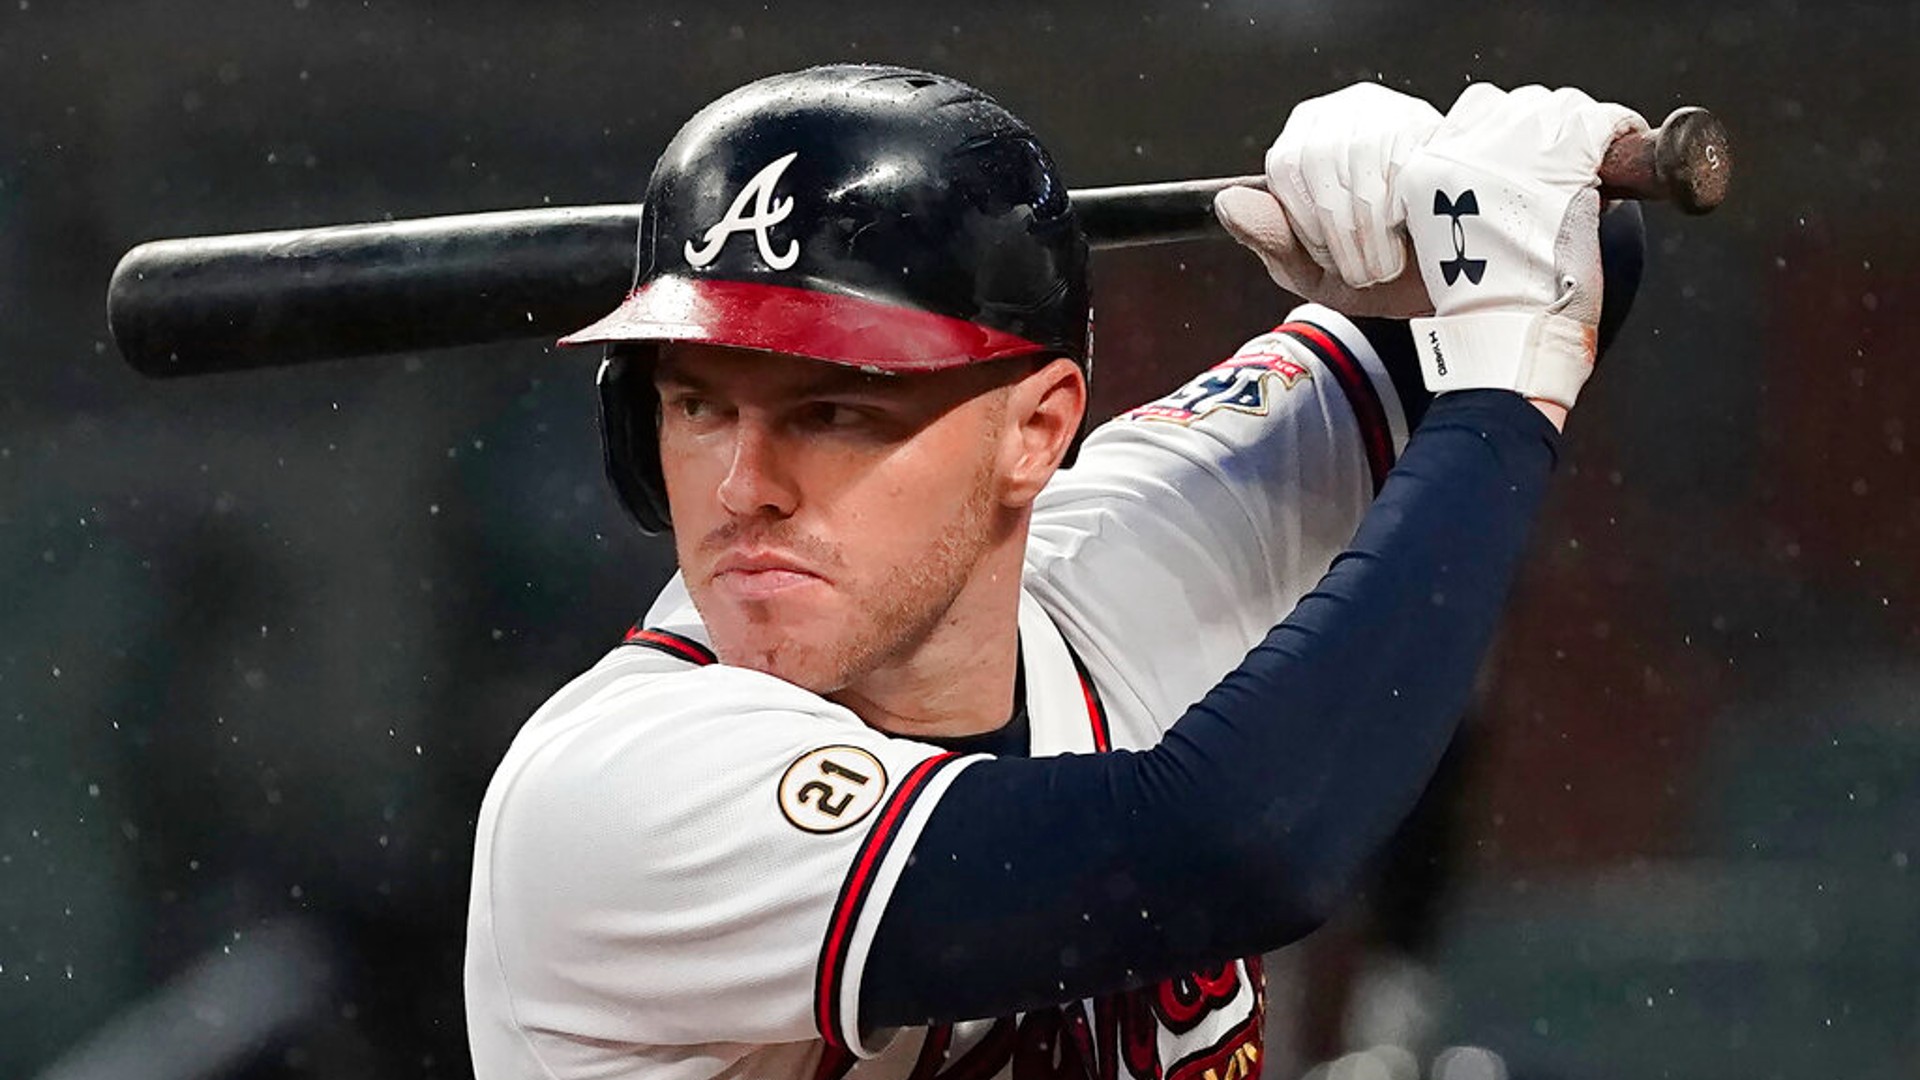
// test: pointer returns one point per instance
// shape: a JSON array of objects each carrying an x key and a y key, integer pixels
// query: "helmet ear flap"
[{"x": 630, "y": 433}]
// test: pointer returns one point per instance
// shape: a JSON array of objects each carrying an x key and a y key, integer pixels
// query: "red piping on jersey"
[
  {"x": 859, "y": 883},
  {"x": 854, "y": 893},
  {"x": 1096, "y": 712},
  {"x": 675, "y": 645},
  {"x": 835, "y": 1063},
  {"x": 1375, "y": 433},
  {"x": 933, "y": 1052}
]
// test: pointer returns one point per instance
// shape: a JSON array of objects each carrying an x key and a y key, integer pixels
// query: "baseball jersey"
[{"x": 680, "y": 865}]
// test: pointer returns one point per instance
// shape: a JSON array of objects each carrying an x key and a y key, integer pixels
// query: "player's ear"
[{"x": 1043, "y": 416}]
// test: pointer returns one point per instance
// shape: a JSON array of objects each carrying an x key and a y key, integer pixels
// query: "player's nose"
[{"x": 757, "y": 480}]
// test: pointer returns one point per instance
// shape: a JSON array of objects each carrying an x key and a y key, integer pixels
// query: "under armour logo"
[
  {"x": 1452, "y": 268},
  {"x": 767, "y": 212}
]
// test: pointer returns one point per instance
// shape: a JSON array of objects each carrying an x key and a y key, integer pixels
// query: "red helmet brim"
[{"x": 828, "y": 326}]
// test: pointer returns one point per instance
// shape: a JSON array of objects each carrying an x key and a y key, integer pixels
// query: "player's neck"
[{"x": 960, "y": 679}]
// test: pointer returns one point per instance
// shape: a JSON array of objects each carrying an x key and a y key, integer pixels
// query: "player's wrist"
[
  {"x": 1543, "y": 355},
  {"x": 1555, "y": 412}
]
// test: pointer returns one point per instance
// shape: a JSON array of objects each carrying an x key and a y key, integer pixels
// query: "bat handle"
[{"x": 1687, "y": 161}]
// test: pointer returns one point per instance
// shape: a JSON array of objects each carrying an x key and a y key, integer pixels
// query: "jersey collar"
[
  {"x": 1063, "y": 708},
  {"x": 1061, "y": 703}
]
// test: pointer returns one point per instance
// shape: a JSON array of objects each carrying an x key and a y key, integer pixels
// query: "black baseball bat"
[{"x": 229, "y": 303}]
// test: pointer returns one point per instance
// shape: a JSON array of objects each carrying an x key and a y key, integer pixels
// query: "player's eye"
[
  {"x": 688, "y": 406},
  {"x": 836, "y": 415}
]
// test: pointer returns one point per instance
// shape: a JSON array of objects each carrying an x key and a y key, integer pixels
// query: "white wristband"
[{"x": 1539, "y": 355}]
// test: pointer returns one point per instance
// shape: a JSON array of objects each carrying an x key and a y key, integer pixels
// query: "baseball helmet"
[{"x": 881, "y": 217}]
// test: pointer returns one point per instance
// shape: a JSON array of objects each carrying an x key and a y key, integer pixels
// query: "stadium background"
[{"x": 264, "y": 636}]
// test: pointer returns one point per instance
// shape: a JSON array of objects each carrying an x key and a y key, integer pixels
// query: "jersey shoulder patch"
[
  {"x": 831, "y": 788},
  {"x": 1245, "y": 382}
]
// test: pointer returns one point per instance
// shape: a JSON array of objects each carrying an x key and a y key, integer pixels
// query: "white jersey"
[{"x": 680, "y": 865}]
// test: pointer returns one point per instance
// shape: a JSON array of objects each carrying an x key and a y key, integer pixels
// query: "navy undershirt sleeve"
[{"x": 1038, "y": 881}]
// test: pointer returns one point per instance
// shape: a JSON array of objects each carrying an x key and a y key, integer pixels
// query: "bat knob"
[{"x": 1693, "y": 158}]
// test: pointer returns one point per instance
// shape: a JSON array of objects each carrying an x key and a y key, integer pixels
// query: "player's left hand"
[{"x": 1328, "y": 227}]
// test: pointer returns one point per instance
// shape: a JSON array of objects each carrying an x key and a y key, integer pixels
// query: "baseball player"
[{"x": 936, "y": 758}]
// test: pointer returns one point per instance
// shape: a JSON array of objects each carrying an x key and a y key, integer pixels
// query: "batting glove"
[
  {"x": 1503, "y": 204},
  {"x": 1328, "y": 227}
]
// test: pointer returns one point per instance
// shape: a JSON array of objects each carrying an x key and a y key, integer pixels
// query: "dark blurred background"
[{"x": 263, "y": 636}]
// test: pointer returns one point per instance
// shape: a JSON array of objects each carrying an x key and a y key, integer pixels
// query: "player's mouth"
[{"x": 762, "y": 576}]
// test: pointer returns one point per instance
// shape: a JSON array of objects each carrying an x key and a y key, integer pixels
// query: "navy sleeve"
[{"x": 1048, "y": 880}]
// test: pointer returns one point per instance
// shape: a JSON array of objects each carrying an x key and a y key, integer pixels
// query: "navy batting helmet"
[{"x": 876, "y": 216}]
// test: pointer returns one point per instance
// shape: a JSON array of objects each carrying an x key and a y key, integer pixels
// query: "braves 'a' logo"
[
  {"x": 767, "y": 212},
  {"x": 1466, "y": 205}
]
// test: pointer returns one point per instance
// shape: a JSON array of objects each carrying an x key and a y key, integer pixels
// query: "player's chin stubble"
[{"x": 888, "y": 614}]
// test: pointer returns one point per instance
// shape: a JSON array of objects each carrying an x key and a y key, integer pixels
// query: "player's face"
[{"x": 827, "y": 519}]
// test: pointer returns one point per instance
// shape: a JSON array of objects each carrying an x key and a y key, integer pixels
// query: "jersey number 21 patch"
[{"x": 831, "y": 788}]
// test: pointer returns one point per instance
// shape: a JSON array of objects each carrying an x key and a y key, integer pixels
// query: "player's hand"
[
  {"x": 1502, "y": 203},
  {"x": 1328, "y": 227}
]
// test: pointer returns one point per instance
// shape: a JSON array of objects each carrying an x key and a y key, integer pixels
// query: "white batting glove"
[
  {"x": 1329, "y": 228},
  {"x": 1503, "y": 205}
]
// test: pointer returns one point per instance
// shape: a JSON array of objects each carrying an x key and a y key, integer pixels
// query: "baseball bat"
[{"x": 254, "y": 300}]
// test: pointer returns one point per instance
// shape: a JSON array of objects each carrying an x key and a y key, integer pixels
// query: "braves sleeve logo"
[
  {"x": 767, "y": 212},
  {"x": 832, "y": 788},
  {"x": 1242, "y": 384}
]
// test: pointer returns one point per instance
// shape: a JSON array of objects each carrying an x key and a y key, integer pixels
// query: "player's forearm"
[
  {"x": 1046, "y": 880},
  {"x": 1364, "y": 683}
]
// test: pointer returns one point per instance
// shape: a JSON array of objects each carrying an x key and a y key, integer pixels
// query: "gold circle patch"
[{"x": 831, "y": 788}]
